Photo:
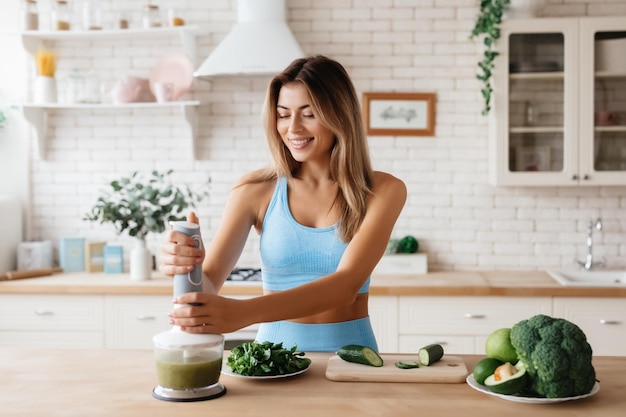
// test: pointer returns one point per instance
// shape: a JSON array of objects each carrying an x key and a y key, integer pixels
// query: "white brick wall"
[{"x": 407, "y": 45}]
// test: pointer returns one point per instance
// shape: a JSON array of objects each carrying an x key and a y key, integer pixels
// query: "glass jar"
[
  {"x": 92, "y": 16},
  {"x": 174, "y": 18},
  {"x": 29, "y": 15},
  {"x": 151, "y": 16},
  {"x": 60, "y": 15}
]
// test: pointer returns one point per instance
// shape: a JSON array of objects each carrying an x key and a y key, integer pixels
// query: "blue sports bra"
[{"x": 293, "y": 254}]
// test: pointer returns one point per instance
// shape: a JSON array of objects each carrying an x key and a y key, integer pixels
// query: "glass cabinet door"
[
  {"x": 536, "y": 102},
  {"x": 603, "y": 101}
]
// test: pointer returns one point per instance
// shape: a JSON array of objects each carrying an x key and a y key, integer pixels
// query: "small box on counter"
[
  {"x": 72, "y": 254},
  {"x": 403, "y": 263},
  {"x": 34, "y": 255},
  {"x": 113, "y": 259},
  {"x": 94, "y": 256}
]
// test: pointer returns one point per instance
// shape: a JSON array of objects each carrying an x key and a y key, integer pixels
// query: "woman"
[{"x": 324, "y": 219}]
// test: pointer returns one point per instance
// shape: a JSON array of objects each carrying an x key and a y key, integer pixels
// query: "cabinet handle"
[
  {"x": 610, "y": 322},
  {"x": 40, "y": 312},
  {"x": 574, "y": 177},
  {"x": 474, "y": 316},
  {"x": 586, "y": 177},
  {"x": 145, "y": 318}
]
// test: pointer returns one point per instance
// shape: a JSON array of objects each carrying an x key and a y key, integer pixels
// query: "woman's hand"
[
  {"x": 209, "y": 313},
  {"x": 179, "y": 253}
]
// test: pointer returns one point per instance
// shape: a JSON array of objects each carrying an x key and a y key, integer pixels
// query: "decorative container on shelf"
[
  {"x": 524, "y": 9},
  {"x": 403, "y": 263}
]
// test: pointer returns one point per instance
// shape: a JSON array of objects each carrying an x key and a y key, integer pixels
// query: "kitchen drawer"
[
  {"x": 466, "y": 315},
  {"x": 452, "y": 344},
  {"x": 51, "y": 312},
  {"x": 52, "y": 339},
  {"x": 602, "y": 319},
  {"x": 132, "y": 321}
]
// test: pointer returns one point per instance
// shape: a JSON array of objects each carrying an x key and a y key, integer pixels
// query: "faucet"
[{"x": 589, "y": 263}]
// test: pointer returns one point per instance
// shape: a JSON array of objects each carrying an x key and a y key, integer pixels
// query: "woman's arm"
[
  {"x": 222, "y": 315},
  {"x": 179, "y": 254}
]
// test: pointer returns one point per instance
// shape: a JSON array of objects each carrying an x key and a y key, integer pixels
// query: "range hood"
[{"x": 260, "y": 43}]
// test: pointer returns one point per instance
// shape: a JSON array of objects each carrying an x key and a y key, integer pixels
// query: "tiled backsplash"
[{"x": 410, "y": 45}]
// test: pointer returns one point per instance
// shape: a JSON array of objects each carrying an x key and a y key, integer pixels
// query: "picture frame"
[
  {"x": 399, "y": 114},
  {"x": 532, "y": 159}
]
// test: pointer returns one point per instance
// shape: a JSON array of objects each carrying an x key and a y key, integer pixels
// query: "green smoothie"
[{"x": 193, "y": 373}]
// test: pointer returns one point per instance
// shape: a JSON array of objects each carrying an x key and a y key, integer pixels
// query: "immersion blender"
[{"x": 188, "y": 365}]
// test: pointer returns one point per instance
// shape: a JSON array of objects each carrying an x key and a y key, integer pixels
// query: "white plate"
[
  {"x": 529, "y": 400},
  {"x": 226, "y": 371}
]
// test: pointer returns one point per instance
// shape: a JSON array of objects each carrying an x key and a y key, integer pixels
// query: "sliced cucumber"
[
  {"x": 407, "y": 364},
  {"x": 360, "y": 354},
  {"x": 430, "y": 354}
]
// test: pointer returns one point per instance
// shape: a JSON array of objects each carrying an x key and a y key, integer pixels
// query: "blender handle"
[{"x": 191, "y": 281}]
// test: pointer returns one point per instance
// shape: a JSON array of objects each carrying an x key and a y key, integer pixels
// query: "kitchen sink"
[{"x": 584, "y": 278}]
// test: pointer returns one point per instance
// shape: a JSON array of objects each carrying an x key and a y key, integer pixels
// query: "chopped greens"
[{"x": 265, "y": 359}]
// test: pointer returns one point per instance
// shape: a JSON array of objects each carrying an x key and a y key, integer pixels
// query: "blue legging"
[{"x": 318, "y": 337}]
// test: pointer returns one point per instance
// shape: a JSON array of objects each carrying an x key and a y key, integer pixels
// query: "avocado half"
[{"x": 510, "y": 385}]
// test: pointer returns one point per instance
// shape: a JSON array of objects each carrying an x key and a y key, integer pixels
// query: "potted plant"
[
  {"x": 140, "y": 204},
  {"x": 488, "y": 25}
]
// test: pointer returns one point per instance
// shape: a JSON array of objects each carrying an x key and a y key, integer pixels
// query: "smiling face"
[{"x": 302, "y": 133}]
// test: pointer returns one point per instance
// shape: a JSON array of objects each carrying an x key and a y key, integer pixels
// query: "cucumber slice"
[
  {"x": 407, "y": 365},
  {"x": 360, "y": 354},
  {"x": 430, "y": 354}
]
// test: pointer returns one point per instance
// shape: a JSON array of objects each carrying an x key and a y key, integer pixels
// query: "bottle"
[
  {"x": 92, "y": 16},
  {"x": 60, "y": 15},
  {"x": 29, "y": 15},
  {"x": 151, "y": 16}
]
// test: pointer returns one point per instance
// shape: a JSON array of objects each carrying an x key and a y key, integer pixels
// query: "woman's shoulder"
[
  {"x": 384, "y": 180},
  {"x": 255, "y": 182}
]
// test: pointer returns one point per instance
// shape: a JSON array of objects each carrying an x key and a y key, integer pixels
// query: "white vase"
[
  {"x": 45, "y": 90},
  {"x": 140, "y": 261},
  {"x": 524, "y": 9}
]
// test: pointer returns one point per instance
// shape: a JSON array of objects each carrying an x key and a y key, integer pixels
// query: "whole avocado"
[{"x": 556, "y": 355}]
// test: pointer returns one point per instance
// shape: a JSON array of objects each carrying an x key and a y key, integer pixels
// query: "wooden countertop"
[
  {"x": 452, "y": 283},
  {"x": 77, "y": 382}
]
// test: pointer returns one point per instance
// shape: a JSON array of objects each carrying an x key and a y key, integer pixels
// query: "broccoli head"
[{"x": 556, "y": 355}]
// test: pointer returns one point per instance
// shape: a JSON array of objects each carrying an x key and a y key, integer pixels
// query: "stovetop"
[{"x": 245, "y": 274}]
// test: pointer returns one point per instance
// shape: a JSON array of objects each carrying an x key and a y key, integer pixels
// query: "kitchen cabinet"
[
  {"x": 51, "y": 320},
  {"x": 131, "y": 321},
  {"x": 604, "y": 323},
  {"x": 37, "y": 114},
  {"x": 461, "y": 324},
  {"x": 559, "y": 117}
]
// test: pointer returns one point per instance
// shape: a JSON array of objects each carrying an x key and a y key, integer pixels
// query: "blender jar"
[{"x": 188, "y": 365}]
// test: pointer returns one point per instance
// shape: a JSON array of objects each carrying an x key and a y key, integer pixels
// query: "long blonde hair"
[{"x": 336, "y": 105}]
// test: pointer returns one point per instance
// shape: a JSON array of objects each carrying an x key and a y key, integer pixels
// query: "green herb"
[
  {"x": 141, "y": 204},
  {"x": 265, "y": 359}
]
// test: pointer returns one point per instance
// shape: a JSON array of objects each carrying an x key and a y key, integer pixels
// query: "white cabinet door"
[
  {"x": 602, "y": 319},
  {"x": 384, "y": 317},
  {"x": 132, "y": 321},
  {"x": 51, "y": 320},
  {"x": 463, "y": 322}
]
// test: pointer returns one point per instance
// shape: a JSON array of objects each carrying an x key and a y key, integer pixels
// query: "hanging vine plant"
[{"x": 488, "y": 25}]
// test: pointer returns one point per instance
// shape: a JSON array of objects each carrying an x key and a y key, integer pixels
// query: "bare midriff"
[{"x": 354, "y": 311}]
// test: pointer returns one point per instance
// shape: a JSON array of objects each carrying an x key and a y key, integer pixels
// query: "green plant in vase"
[
  {"x": 488, "y": 26},
  {"x": 140, "y": 204}
]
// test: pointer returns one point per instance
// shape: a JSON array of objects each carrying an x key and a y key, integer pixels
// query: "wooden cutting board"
[{"x": 450, "y": 369}]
